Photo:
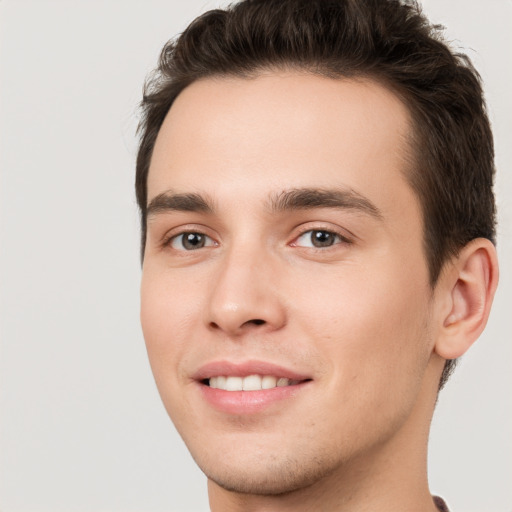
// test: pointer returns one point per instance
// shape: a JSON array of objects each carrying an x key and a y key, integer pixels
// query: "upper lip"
[{"x": 244, "y": 369}]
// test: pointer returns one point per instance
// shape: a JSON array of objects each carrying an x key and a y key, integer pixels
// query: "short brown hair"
[{"x": 386, "y": 40}]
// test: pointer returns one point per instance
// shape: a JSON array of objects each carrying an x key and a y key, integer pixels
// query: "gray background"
[{"x": 82, "y": 427}]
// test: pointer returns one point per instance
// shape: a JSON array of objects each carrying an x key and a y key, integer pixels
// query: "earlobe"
[{"x": 471, "y": 285}]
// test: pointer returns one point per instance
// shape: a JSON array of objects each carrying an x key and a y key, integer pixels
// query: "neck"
[{"x": 390, "y": 477}]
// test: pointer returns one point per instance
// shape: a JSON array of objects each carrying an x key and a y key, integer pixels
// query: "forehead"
[{"x": 237, "y": 137}]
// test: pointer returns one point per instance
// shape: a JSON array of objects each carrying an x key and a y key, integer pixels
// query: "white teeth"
[
  {"x": 252, "y": 383},
  {"x": 268, "y": 382},
  {"x": 233, "y": 384},
  {"x": 218, "y": 382},
  {"x": 249, "y": 383}
]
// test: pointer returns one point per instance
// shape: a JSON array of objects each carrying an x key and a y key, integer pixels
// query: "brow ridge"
[
  {"x": 287, "y": 200},
  {"x": 185, "y": 202},
  {"x": 309, "y": 198}
]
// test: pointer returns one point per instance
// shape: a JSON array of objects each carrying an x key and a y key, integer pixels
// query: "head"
[
  {"x": 391, "y": 42},
  {"x": 351, "y": 62}
]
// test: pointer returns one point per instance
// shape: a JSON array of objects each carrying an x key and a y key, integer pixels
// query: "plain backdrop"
[{"x": 82, "y": 427}]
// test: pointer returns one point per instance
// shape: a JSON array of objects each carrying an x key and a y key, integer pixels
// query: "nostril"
[{"x": 256, "y": 321}]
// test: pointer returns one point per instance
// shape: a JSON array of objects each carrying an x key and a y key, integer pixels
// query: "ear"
[{"x": 469, "y": 286}]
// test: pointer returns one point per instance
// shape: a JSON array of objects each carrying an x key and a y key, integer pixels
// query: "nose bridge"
[{"x": 244, "y": 295}]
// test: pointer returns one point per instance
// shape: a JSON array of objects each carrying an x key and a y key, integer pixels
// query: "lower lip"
[{"x": 249, "y": 402}]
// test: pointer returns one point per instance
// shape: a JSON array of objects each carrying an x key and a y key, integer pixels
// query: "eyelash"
[
  {"x": 168, "y": 241},
  {"x": 210, "y": 242},
  {"x": 339, "y": 238}
]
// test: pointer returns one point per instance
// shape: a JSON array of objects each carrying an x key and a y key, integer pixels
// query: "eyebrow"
[
  {"x": 187, "y": 202},
  {"x": 309, "y": 198},
  {"x": 287, "y": 200}
]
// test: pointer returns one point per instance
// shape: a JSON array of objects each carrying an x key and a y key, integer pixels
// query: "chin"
[
  {"x": 273, "y": 478},
  {"x": 272, "y": 483}
]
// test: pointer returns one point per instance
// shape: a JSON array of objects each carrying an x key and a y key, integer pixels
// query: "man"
[{"x": 315, "y": 184}]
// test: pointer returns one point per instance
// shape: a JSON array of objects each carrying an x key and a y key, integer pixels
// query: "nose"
[{"x": 245, "y": 295}]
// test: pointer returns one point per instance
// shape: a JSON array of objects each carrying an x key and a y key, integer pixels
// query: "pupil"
[
  {"x": 193, "y": 241},
  {"x": 322, "y": 238}
]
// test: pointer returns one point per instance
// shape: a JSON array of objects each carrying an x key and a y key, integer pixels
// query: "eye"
[
  {"x": 190, "y": 241},
  {"x": 319, "y": 238}
]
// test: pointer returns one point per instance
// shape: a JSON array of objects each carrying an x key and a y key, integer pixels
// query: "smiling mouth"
[
  {"x": 250, "y": 382},
  {"x": 249, "y": 387}
]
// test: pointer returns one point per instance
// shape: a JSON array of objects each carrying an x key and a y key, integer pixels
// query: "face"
[{"x": 285, "y": 291}]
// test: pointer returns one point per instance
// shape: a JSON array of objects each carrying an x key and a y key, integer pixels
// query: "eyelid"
[
  {"x": 175, "y": 232},
  {"x": 209, "y": 242},
  {"x": 343, "y": 235}
]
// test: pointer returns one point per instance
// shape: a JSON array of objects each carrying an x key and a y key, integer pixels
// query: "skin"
[{"x": 358, "y": 317}]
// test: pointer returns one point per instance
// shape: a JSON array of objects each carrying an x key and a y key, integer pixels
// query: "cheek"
[
  {"x": 374, "y": 345},
  {"x": 166, "y": 314},
  {"x": 371, "y": 324}
]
